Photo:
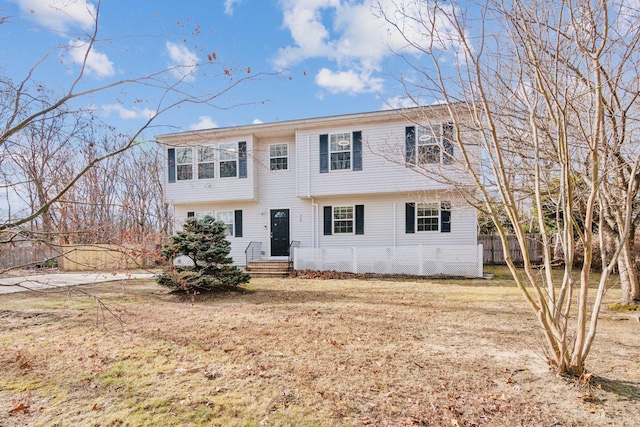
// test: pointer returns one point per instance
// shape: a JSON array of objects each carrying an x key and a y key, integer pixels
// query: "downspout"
[{"x": 314, "y": 206}]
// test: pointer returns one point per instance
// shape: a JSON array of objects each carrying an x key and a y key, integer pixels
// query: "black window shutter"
[
  {"x": 357, "y": 151},
  {"x": 242, "y": 159},
  {"x": 359, "y": 219},
  {"x": 324, "y": 153},
  {"x": 237, "y": 223},
  {"x": 410, "y": 218},
  {"x": 191, "y": 214},
  {"x": 447, "y": 137},
  {"x": 328, "y": 220},
  {"x": 410, "y": 144},
  {"x": 171, "y": 160},
  {"x": 445, "y": 218}
]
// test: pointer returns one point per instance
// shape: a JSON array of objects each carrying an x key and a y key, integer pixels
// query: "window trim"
[
  {"x": 286, "y": 157},
  {"x": 436, "y": 216},
  {"x": 352, "y": 220}
]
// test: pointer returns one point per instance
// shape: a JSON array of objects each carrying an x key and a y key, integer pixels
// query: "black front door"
[{"x": 279, "y": 232}]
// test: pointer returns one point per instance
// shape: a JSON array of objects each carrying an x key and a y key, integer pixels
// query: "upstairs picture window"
[
  {"x": 429, "y": 144},
  {"x": 278, "y": 157},
  {"x": 340, "y": 151},
  {"x": 228, "y": 160},
  {"x": 184, "y": 164},
  {"x": 206, "y": 162}
]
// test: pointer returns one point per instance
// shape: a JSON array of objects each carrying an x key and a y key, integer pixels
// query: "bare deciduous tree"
[
  {"x": 548, "y": 90},
  {"x": 61, "y": 157}
]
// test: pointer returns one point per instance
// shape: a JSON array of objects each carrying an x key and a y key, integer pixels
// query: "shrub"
[{"x": 204, "y": 242}]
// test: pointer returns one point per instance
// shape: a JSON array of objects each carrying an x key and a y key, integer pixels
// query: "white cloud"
[
  {"x": 347, "y": 81},
  {"x": 257, "y": 121},
  {"x": 183, "y": 61},
  {"x": 355, "y": 36},
  {"x": 204, "y": 122},
  {"x": 399, "y": 102},
  {"x": 60, "y": 14},
  {"x": 228, "y": 6},
  {"x": 96, "y": 62},
  {"x": 124, "y": 113}
]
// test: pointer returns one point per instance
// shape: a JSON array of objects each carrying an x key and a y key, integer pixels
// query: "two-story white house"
[{"x": 374, "y": 192}]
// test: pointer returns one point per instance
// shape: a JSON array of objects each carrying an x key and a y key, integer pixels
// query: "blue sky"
[{"x": 331, "y": 56}]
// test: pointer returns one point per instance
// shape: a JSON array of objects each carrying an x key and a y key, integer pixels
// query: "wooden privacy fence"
[
  {"x": 104, "y": 257},
  {"x": 493, "y": 253},
  {"x": 27, "y": 256}
]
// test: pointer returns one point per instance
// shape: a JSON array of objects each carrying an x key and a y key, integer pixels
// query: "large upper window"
[
  {"x": 184, "y": 163},
  {"x": 228, "y": 160},
  {"x": 429, "y": 144},
  {"x": 340, "y": 151},
  {"x": 278, "y": 157},
  {"x": 206, "y": 162}
]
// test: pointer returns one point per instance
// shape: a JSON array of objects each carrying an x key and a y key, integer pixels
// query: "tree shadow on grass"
[{"x": 625, "y": 390}]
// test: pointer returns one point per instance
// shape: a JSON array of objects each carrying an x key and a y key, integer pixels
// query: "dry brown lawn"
[{"x": 295, "y": 352}]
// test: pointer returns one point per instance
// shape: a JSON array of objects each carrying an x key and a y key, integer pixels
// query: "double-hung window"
[
  {"x": 426, "y": 145},
  {"x": 343, "y": 219},
  {"x": 184, "y": 164},
  {"x": 228, "y": 160},
  {"x": 340, "y": 151},
  {"x": 226, "y": 217},
  {"x": 278, "y": 157},
  {"x": 428, "y": 142},
  {"x": 206, "y": 162},
  {"x": 428, "y": 216}
]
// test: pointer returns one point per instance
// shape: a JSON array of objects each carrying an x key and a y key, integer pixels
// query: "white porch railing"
[{"x": 412, "y": 260}]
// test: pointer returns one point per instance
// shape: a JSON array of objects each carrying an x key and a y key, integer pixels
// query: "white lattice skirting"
[{"x": 412, "y": 260}]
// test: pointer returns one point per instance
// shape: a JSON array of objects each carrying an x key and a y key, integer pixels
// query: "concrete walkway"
[{"x": 57, "y": 280}]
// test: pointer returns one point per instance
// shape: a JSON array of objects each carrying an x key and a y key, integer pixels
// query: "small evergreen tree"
[{"x": 204, "y": 241}]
